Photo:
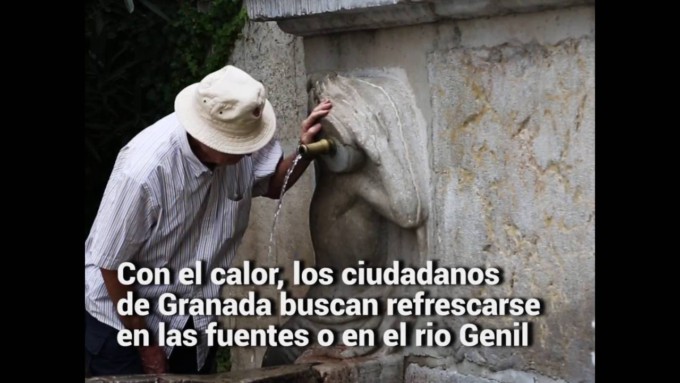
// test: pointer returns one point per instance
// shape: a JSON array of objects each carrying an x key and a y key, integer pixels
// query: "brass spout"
[{"x": 323, "y": 146}]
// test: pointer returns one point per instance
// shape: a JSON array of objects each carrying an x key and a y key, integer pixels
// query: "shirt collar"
[{"x": 196, "y": 166}]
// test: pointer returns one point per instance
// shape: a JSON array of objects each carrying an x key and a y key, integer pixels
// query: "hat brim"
[{"x": 200, "y": 128}]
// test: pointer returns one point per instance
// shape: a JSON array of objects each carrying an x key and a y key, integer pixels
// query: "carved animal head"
[{"x": 377, "y": 113}]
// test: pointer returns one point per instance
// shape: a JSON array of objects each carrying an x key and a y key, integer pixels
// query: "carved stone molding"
[{"x": 314, "y": 17}]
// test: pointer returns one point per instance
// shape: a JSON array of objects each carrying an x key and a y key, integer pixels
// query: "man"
[{"x": 180, "y": 191}]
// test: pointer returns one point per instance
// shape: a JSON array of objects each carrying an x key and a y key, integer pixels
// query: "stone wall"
[{"x": 509, "y": 103}]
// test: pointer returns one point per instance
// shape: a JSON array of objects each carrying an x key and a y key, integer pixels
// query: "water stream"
[{"x": 278, "y": 208}]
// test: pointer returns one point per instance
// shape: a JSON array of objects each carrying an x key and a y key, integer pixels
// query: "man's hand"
[
  {"x": 311, "y": 125},
  {"x": 153, "y": 359}
]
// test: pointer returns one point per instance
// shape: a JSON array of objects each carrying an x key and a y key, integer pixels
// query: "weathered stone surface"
[
  {"x": 274, "y": 10},
  {"x": 509, "y": 109},
  {"x": 417, "y": 374},
  {"x": 386, "y": 368},
  {"x": 276, "y": 59},
  {"x": 513, "y": 135},
  {"x": 299, "y": 373},
  {"x": 312, "y": 17},
  {"x": 423, "y": 374}
]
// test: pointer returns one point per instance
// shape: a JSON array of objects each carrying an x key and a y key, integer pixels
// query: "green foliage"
[
  {"x": 223, "y": 359},
  {"x": 135, "y": 64},
  {"x": 195, "y": 58}
]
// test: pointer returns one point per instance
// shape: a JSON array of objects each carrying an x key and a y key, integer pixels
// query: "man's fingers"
[
  {"x": 313, "y": 117},
  {"x": 314, "y": 129},
  {"x": 153, "y": 359},
  {"x": 326, "y": 104},
  {"x": 318, "y": 112},
  {"x": 308, "y": 136},
  {"x": 311, "y": 125},
  {"x": 323, "y": 107},
  {"x": 155, "y": 368}
]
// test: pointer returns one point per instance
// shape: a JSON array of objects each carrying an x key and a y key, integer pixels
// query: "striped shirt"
[{"x": 163, "y": 208}]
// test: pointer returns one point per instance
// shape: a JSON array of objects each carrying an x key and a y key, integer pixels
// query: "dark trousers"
[{"x": 104, "y": 356}]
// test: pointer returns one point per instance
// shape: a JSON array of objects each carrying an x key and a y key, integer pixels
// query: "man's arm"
[
  {"x": 310, "y": 127},
  {"x": 123, "y": 224},
  {"x": 153, "y": 356}
]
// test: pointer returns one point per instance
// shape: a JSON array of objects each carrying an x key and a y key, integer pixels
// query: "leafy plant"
[{"x": 223, "y": 359}]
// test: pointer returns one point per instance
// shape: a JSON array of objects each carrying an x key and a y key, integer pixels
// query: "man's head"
[{"x": 227, "y": 113}]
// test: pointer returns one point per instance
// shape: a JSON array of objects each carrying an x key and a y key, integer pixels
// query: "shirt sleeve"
[
  {"x": 123, "y": 223},
  {"x": 265, "y": 162}
]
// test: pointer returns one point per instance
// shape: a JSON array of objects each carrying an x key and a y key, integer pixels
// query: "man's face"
[
  {"x": 216, "y": 158},
  {"x": 212, "y": 157}
]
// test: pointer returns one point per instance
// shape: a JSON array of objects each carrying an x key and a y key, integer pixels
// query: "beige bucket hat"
[{"x": 227, "y": 111}]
